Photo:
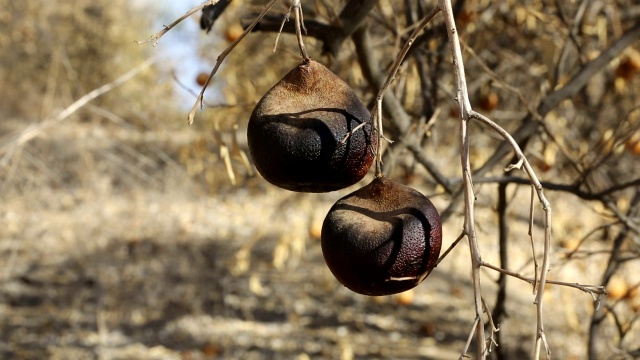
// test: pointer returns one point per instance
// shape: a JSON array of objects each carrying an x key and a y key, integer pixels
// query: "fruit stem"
[
  {"x": 378, "y": 125},
  {"x": 299, "y": 27},
  {"x": 390, "y": 77}
]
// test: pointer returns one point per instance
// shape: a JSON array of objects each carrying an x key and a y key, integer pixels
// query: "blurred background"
[{"x": 127, "y": 234}]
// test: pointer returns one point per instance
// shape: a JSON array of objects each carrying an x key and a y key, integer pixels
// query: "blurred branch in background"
[
  {"x": 8, "y": 147},
  {"x": 529, "y": 125}
]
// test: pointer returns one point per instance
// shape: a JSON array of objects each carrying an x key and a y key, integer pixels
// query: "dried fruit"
[
  {"x": 488, "y": 102},
  {"x": 382, "y": 239},
  {"x": 202, "y": 78},
  {"x": 310, "y": 132},
  {"x": 627, "y": 68},
  {"x": 617, "y": 288},
  {"x": 233, "y": 32}
]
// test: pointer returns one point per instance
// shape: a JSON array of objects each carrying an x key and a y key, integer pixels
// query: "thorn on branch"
[
  {"x": 517, "y": 165},
  {"x": 344, "y": 140}
]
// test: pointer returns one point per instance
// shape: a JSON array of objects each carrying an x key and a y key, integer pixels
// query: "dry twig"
[
  {"x": 469, "y": 197},
  {"x": 377, "y": 111},
  {"x": 223, "y": 55},
  {"x": 156, "y": 37}
]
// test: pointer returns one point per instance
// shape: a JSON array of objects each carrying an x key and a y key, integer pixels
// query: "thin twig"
[
  {"x": 533, "y": 244},
  {"x": 370, "y": 65},
  {"x": 569, "y": 188},
  {"x": 451, "y": 247},
  {"x": 299, "y": 27},
  {"x": 592, "y": 290},
  {"x": 546, "y": 207},
  {"x": 285, "y": 19},
  {"x": 156, "y": 37},
  {"x": 464, "y": 355},
  {"x": 222, "y": 56},
  {"x": 493, "y": 329},
  {"x": 206, "y": 104},
  {"x": 392, "y": 74}
]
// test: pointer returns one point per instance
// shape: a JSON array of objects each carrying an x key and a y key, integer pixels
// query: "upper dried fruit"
[{"x": 296, "y": 133}]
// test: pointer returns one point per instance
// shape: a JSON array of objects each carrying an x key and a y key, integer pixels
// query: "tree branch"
[
  {"x": 529, "y": 126},
  {"x": 352, "y": 17},
  {"x": 462, "y": 97}
]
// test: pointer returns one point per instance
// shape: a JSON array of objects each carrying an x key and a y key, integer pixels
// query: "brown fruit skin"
[
  {"x": 295, "y": 132},
  {"x": 382, "y": 238}
]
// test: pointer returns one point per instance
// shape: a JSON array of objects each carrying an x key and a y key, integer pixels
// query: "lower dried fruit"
[{"x": 382, "y": 239}]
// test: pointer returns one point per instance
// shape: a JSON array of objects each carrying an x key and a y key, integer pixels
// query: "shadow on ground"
[{"x": 182, "y": 300}]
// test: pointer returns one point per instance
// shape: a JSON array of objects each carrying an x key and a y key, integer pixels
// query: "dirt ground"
[{"x": 110, "y": 250}]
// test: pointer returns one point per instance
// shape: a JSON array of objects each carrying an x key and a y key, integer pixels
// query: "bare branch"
[
  {"x": 299, "y": 27},
  {"x": 577, "y": 82},
  {"x": 462, "y": 97},
  {"x": 353, "y": 16},
  {"x": 156, "y": 37},
  {"x": 476, "y": 323},
  {"x": 592, "y": 290},
  {"x": 547, "y": 185},
  {"x": 546, "y": 207},
  {"x": 222, "y": 56},
  {"x": 392, "y": 74},
  {"x": 451, "y": 247}
]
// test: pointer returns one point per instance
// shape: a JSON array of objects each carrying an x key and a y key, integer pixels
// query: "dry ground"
[{"x": 109, "y": 250}]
